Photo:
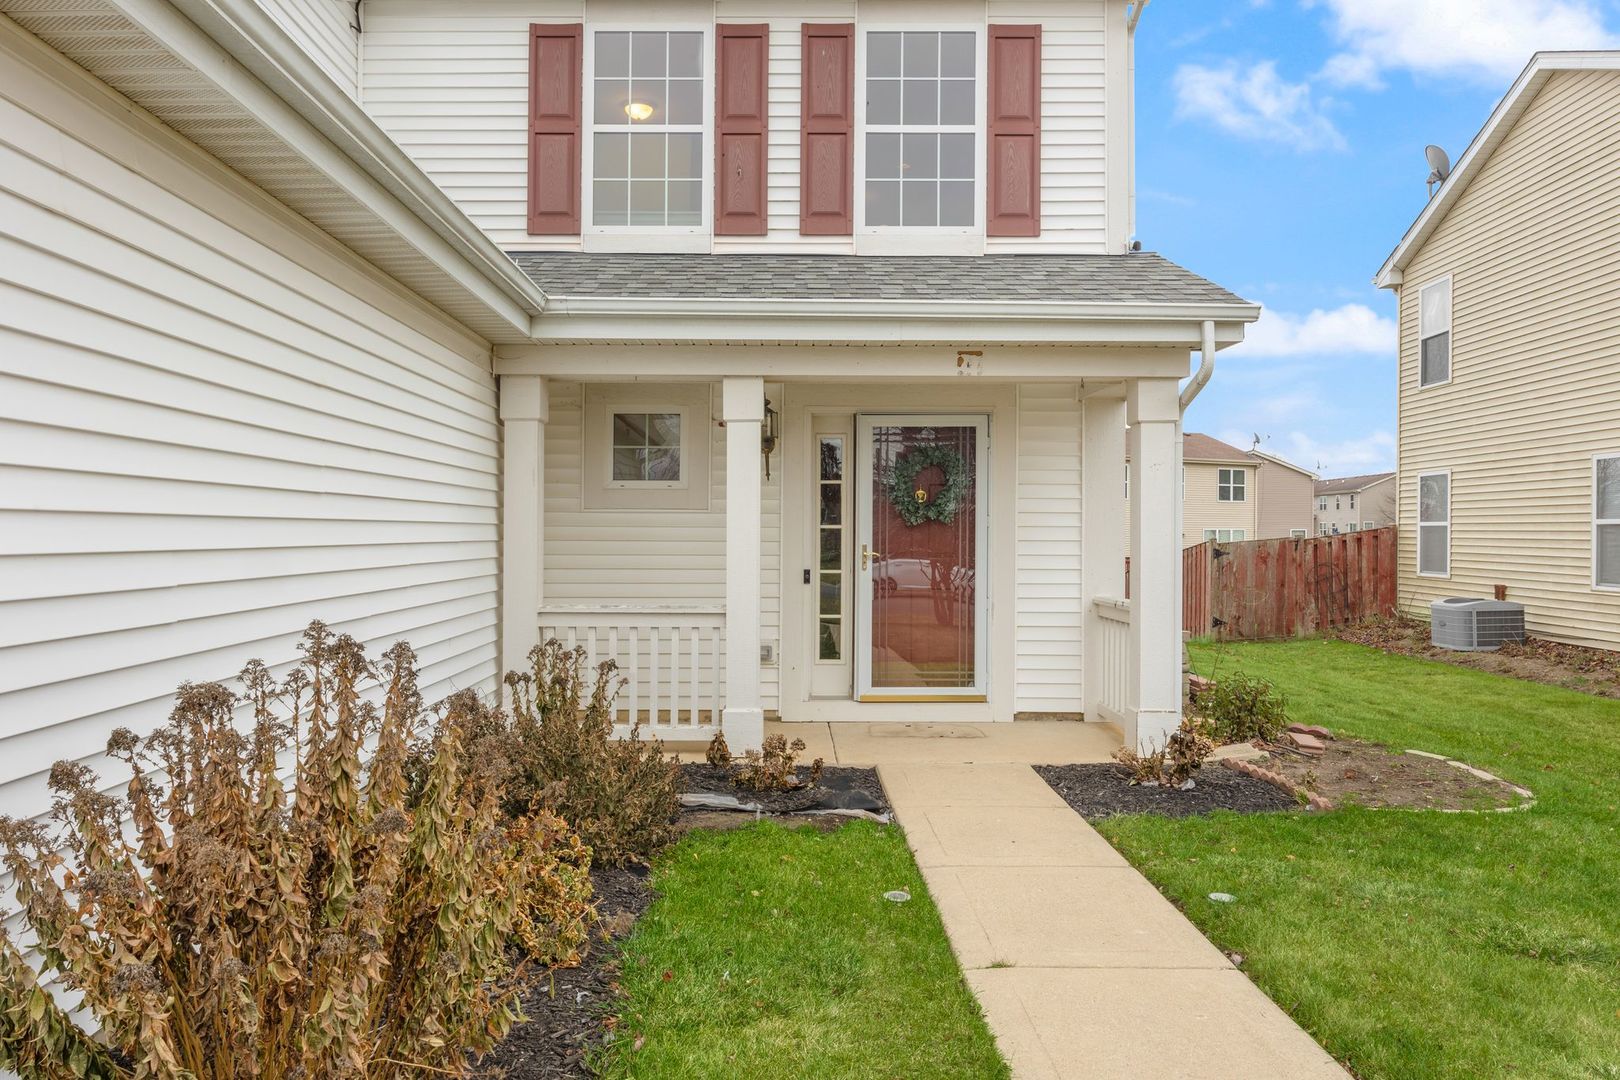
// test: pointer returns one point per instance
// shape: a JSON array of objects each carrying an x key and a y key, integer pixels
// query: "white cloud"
[
  {"x": 1255, "y": 103},
  {"x": 1477, "y": 39},
  {"x": 1358, "y": 454},
  {"x": 1352, "y": 329}
]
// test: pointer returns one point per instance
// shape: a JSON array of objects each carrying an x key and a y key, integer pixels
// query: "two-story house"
[
  {"x": 1509, "y": 401},
  {"x": 783, "y": 353},
  {"x": 1348, "y": 504},
  {"x": 1230, "y": 495}
]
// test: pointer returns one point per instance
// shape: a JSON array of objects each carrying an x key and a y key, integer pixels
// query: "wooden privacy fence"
[{"x": 1263, "y": 589}]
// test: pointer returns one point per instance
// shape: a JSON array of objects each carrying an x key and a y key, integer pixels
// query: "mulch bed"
[
  {"x": 1573, "y": 667},
  {"x": 566, "y": 1008},
  {"x": 1102, "y": 791},
  {"x": 715, "y": 780}
]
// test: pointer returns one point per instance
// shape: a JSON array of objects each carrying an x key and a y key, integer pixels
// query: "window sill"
[{"x": 686, "y": 242}]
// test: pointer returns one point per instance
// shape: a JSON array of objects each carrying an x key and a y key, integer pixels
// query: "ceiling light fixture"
[{"x": 638, "y": 110}]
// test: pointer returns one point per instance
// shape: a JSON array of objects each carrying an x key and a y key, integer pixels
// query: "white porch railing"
[
  {"x": 1114, "y": 622},
  {"x": 673, "y": 657}
]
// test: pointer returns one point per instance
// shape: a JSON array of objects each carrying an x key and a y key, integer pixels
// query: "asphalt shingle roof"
[
  {"x": 1350, "y": 483},
  {"x": 1142, "y": 277}
]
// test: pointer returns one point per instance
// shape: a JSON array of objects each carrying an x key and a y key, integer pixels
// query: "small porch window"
[
  {"x": 1232, "y": 485},
  {"x": 646, "y": 447},
  {"x": 1606, "y": 522},
  {"x": 1434, "y": 524}
]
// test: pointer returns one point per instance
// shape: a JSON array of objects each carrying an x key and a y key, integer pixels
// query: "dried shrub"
[
  {"x": 1173, "y": 764},
  {"x": 1239, "y": 708},
  {"x": 774, "y": 767},
  {"x": 241, "y": 929},
  {"x": 552, "y": 871},
  {"x": 620, "y": 795},
  {"x": 718, "y": 754}
]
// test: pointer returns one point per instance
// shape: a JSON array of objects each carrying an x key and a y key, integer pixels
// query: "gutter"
[
  {"x": 246, "y": 32},
  {"x": 1135, "y": 15},
  {"x": 844, "y": 308}
]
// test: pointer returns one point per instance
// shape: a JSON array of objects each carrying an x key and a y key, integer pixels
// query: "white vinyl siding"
[
  {"x": 449, "y": 82},
  {"x": 1049, "y": 619},
  {"x": 1434, "y": 333},
  {"x": 664, "y": 557},
  {"x": 1535, "y": 399},
  {"x": 326, "y": 29},
  {"x": 1434, "y": 524},
  {"x": 1606, "y": 521},
  {"x": 215, "y": 425}
]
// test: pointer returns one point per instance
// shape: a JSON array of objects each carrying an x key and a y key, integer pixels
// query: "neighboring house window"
[
  {"x": 1225, "y": 536},
  {"x": 1297, "y": 534},
  {"x": 1368, "y": 525},
  {"x": 1434, "y": 333},
  {"x": 1350, "y": 528},
  {"x": 1231, "y": 484},
  {"x": 1322, "y": 528},
  {"x": 647, "y": 132},
  {"x": 1606, "y": 522},
  {"x": 646, "y": 447},
  {"x": 1338, "y": 502},
  {"x": 1321, "y": 504},
  {"x": 1434, "y": 524},
  {"x": 1352, "y": 502},
  {"x": 921, "y": 129}
]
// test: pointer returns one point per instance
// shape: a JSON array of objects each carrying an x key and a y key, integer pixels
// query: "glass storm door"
[{"x": 920, "y": 609}]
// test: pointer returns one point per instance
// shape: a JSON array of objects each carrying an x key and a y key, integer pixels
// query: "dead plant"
[
  {"x": 239, "y": 929},
  {"x": 620, "y": 795},
  {"x": 773, "y": 767},
  {"x": 1173, "y": 764},
  {"x": 718, "y": 753}
]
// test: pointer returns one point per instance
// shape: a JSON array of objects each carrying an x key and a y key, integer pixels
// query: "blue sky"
[{"x": 1280, "y": 152}]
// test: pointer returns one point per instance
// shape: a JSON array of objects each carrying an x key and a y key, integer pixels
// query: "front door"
[{"x": 920, "y": 606}]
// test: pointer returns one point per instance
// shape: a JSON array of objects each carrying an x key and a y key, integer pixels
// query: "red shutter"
[
  {"x": 555, "y": 77},
  {"x": 1014, "y": 164},
  {"x": 740, "y": 60},
  {"x": 827, "y": 130}
]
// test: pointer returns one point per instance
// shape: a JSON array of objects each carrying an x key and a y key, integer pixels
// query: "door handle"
[{"x": 868, "y": 556}]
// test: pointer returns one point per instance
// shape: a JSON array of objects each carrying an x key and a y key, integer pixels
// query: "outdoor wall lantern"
[{"x": 767, "y": 436}]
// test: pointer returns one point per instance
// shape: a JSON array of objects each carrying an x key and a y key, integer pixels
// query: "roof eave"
[{"x": 1541, "y": 67}]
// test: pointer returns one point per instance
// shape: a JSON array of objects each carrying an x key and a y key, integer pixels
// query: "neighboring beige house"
[
  {"x": 1355, "y": 503},
  {"x": 1231, "y": 495},
  {"x": 1509, "y": 440}
]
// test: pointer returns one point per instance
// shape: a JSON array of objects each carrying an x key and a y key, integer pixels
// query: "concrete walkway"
[{"x": 1082, "y": 967}]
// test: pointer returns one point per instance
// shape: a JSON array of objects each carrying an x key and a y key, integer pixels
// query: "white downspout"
[{"x": 1194, "y": 387}]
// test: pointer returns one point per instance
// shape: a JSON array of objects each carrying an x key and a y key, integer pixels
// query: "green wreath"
[{"x": 912, "y": 503}]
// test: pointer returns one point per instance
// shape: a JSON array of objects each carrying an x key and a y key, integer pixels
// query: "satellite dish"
[{"x": 1439, "y": 166}]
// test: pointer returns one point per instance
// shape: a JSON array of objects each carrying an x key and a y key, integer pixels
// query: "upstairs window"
[
  {"x": 921, "y": 129},
  {"x": 1434, "y": 333},
  {"x": 647, "y": 133},
  {"x": 1434, "y": 524},
  {"x": 1321, "y": 502},
  {"x": 1231, "y": 485},
  {"x": 1352, "y": 502},
  {"x": 1606, "y": 522}
]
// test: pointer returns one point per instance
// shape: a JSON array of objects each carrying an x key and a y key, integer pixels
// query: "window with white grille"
[
  {"x": 1232, "y": 484},
  {"x": 1434, "y": 524},
  {"x": 1606, "y": 522}
]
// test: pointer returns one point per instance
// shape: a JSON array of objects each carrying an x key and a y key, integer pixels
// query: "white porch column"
[
  {"x": 743, "y": 410},
  {"x": 1102, "y": 535},
  {"x": 525, "y": 408},
  {"x": 1154, "y": 694}
]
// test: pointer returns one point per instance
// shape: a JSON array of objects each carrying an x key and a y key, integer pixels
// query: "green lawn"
[
  {"x": 1423, "y": 945},
  {"x": 772, "y": 953}
]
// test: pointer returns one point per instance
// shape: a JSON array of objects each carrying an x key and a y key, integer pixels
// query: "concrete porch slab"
[
  {"x": 1064, "y": 916},
  {"x": 1134, "y": 1024},
  {"x": 1026, "y": 742}
]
